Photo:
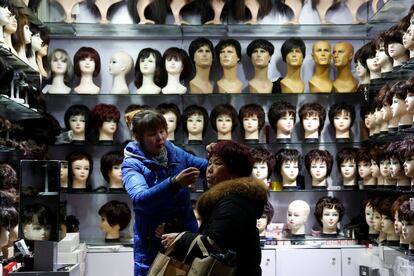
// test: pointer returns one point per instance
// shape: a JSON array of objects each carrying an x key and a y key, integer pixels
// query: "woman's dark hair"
[
  {"x": 197, "y": 44},
  {"x": 313, "y": 109},
  {"x": 109, "y": 160},
  {"x": 75, "y": 156},
  {"x": 147, "y": 120},
  {"x": 223, "y": 109},
  {"x": 116, "y": 213},
  {"x": 83, "y": 53},
  {"x": 337, "y": 108},
  {"x": 263, "y": 155},
  {"x": 65, "y": 58},
  {"x": 330, "y": 203},
  {"x": 260, "y": 44},
  {"x": 170, "y": 107},
  {"x": 362, "y": 54},
  {"x": 228, "y": 42},
  {"x": 288, "y": 155},
  {"x": 319, "y": 155},
  {"x": 252, "y": 109},
  {"x": 241, "y": 12},
  {"x": 279, "y": 109},
  {"x": 179, "y": 54},
  {"x": 292, "y": 43},
  {"x": 344, "y": 155},
  {"x": 101, "y": 113},
  {"x": 74, "y": 110},
  {"x": 156, "y": 10},
  {"x": 191, "y": 110},
  {"x": 159, "y": 74},
  {"x": 237, "y": 157}
]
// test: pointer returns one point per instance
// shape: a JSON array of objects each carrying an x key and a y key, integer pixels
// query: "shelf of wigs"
[
  {"x": 391, "y": 136},
  {"x": 15, "y": 110},
  {"x": 17, "y": 64}
]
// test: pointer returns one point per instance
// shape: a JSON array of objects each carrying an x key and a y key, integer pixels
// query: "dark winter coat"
[{"x": 154, "y": 198}]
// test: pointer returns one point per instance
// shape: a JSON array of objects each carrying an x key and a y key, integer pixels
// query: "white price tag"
[
  {"x": 411, "y": 204},
  {"x": 75, "y": 9}
]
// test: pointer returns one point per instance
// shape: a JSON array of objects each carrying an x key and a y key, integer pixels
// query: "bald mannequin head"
[
  {"x": 298, "y": 212},
  {"x": 120, "y": 63},
  {"x": 321, "y": 52},
  {"x": 342, "y": 54}
]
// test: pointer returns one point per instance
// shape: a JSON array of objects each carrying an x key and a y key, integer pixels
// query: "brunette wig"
[
  {"x": 252, "y": 109},
  {"x": 363, "y": 155},
  {"x": 104, "y": 113},
  {"x": 319, "y": 155},
  {"x": 241, "y": 12},
  {"x": 288, "y": 155},
  {"x": 178, "y": 54},
  {"x": 337, "y": 108},
  {"x": 330, "y": 203},
  {"x": 268, "y": 211},
  {"x": 407, "y": 147},
  {"x": 207, "y": 12},
  {"x": 313, "y": 109},
  {"x": 75, "y": 156},
  {"x": 395, "y": 207},
  {"x": 191, "y": 110},
  {"x": 170, "y": 107},
  {"x": 109, "y": 160},
  {"x": 197, "y": 44},
  {"x": 9, "y": 217},
  {"x": 228, "y": 42},
  {"x": 18, "y": 40},
  {"x": 8, "y": 178},
  {"x": 344, "y": 155},
  {"x": 405, "y": 22},
  {"x": 260, "y": 44},
  {"x": 409, "y": 85},
  {"x": 394, "y": 35},
  {"x": 159, "y": 74},
  {"x": 290, "y": 44},
  {"x": 223, "y": 109},
  {"x": 279, "y": 109},
  {"x": 399, "y": 90},
  {"x": 83, "y": 53},
  {"x": 263, "y": 155},
  {"x": 39, "y": 214},
  {"x": 74, "y": 110},
  {"x": 405, "y": 212},
  {"x": 363, "y": 54},
  {"x": 156, "y": 10},
  {"x": 382, "y": 94},
  {"x": 116, "y": 213},
  {"x": 395, "y": 150},
  {"x": 385, "y": 207},
  {"x": 61, "y": 54}
]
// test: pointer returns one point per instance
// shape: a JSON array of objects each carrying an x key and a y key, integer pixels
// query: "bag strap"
[{"x": 171, "y": 248}]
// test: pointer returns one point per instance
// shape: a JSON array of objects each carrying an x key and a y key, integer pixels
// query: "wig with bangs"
[
  {"x": 317, "y": 155},
  {"x": 288, "y": 155},
  {"x": 104, "y": 113},
  {"x": 159, "y": 74},
  {"x": 83, "y": 53}
]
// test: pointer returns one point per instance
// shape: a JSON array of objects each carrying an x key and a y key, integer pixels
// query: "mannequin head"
[
  {"x": 380, "y": 55},
  {"x": 319, "y": 164},
  {"x": 22, "y": 36},
  {"x": 407, "y": 150},
  {"x": 111, "y": 168},
  {"x": 80, "y": 168},
  {"x": 372, "y": 216},
  {"x": 383, "y": 161},
  {"x": 260, "y": 52},
  {"x": 372, "y": 63},
  {"x": 251, "y": 117},
  {"x": 409, "y": 100},
  {"x": 171, "y": 114},
  {"x": 399, "y": 93},
  {"x": 293, "y": 51},
  {"x": 177, "y": 62},
  {"x": 342, "y": 54},
  {"x": 264, "y": 162},
  {"x": 329, "y": 212},
  {"x": 360, "y": 61},
  {"x": 105, "y": 119},
  {"x": 407, "y": 219},
  {"x": 346, "y": 161},
  {"x": 87, "y": 62},
  {"x": 297, "y": 215},
  {"x": 149, "y": 62},
  {"x": 364, "y": 163},
  {"x": 64, "y": 172},
  {"x": 195, "y": 119},
  {"x": 265, "y": 219},
  {"x": 77, "y": 118},
  {"x": 393, "y": 44},
  {"x": 115, "y": 217},
  {"x": 312, "y": 117},
  {"x": 229, "y": 52},
  {"x": 223, "y": 118},
  {"x": 408, "y": 38},
  {"x": 120, "y": 64},
  {"x": 133, "y": 109},
  {"x": 394, "y": 151},
  {"x": 387, "y": 216},
  {"x": 11, "y": 27},
  {"x": 321, "y": 53},
  {"x": 289, "y": 164},
  {"x": 385, "y": 101},
  {"x": 37, "y": 222},
  {"x": 9, "y": 218},
  {"x": 342, "y": 116},
  {"x": 60, "y": 64},
  {"x": 8, "y": 179},
  {"x": 395, "y": 211},
  {"x": 375, "y": 153},
  {"x": 282, "y": 117},
  {"x": 4, "y": 13},
  {"x": 36, "y": 40},
  {"x": 201, "y": 52}
]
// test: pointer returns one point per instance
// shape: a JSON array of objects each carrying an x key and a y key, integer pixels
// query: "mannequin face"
[
  {"x": 408, "y": 230},
  {"x": 330, "y": 218},
  {"x": 64, "y": 172},
  {"x": 395, "y": 167},
  {"x": 368, "y": 122},
  {"x": 11, "y": 27},
  {"x": 378, "y": 116},
  {"x": 251, "y": 123},
  {"x": 77, "y": 124},
  {"x": 311, "y": 123},
  {"x": 171, "y": 121},
  {"x": 147, "y": 65},
  {"x": 260, "y": 170},
  {"x": 195, "y": 124},
  {"x": 115, "y": 173},
  {"x": 36, "y": 232},
  {"x": 361, "y": 71},
  {"x": 397, "y": 224},
  {"x": 375, "y": 170},
  {"x": 4, "y": 16},
  {"x": 217, "y": 171},
  {"x": 80, "y": 170},
  {"x": 294, "y": 57},
  {"x": 377, "y": 221},
  {"x": 342, "y": 121},
  {"x": 36, "y": 42},
  {"x": 385, "y": 168},
  {"x": 203, "y": 56},
  {"x": 43, "y": 50},
  {"x": 27, "y": 34},
  {"x": 296, "y": 217},
  {"x": 59, "y": 63},
  {"x": 318, "y": 170},
  {"x": 408, "y": 38},
  {"x": 387, "y": 226},
  {"x": 398, "y": 107},
  {"x": 289, "y": 170},
  {"x": 224, "y": 123},
  {"x": 285, "y": 123},
  {"x": 260, "y": 57},
  {"x": 173, "y": 66},
  {"x": 108, "y": 127},
  {"x": 373, "y": 65},
  {"x": 348, "y": 169},
  {"x": 342, "y": 54},
  {"x": 364, "y": 169},
  {"x": 321, "y": 53},
  {"x": 105, "y": 227},
  {"x": 369, "y": 215},
  {"x": 409, "y": 166},
  {"x": 228, "y": 57},
  {"x": 396, "y": 50},
  {"x": 87, "y": 66},
  {"x": 261, "y": 224},
  {"x": 386, "y": 113},
  {"x": 409, "y": 102},
  {"x": 4, "y": 236},
  {"x": 381, "y": 57},
  {"x": 116, "y": 65}
]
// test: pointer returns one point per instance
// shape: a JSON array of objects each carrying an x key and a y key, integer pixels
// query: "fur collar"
[{"x": 250, "y": 188}]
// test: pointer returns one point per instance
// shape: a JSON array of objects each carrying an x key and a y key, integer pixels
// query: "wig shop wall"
[{"x": 85, "y": 206}]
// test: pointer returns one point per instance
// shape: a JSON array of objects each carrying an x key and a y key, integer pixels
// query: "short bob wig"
[
  {"x": 319, "y": 155},
  {"x": 75, "y": 156},
  {"x": 346, "y": 155},
  {"x": 330, "y": 203},
  {"x": 260, "y": 44},
  {"x": 290, "y": 44},
  {"x": 108, "y": 160},
  {"x": 252, "y": 109},
  {"x": 279, "y": 109},
  {"x": 263, "y": 155},
  {"x": 362, "y": 54},
  {"x": 116, "y": 213},
  {"x": 77, "y": 109},
  {"x": 104, "y": 113},
  {"x": 337, "y": 108},
  {"x": 191, "y": 110},
  {"x": 223, "y": 109},
  {"x": 288, "y": 155},
  {"x": 229, "y": 42},
  {"x": 64, "y": 57},
  {"x": 83, "y": 53},
  {"x": 197, "y": 44},
  {"x": 170, "y": 107},
  {"x": 313, "y": 109}
]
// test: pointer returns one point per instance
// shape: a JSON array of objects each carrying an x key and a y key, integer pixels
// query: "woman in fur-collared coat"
[{"x": 230, "y": 208}]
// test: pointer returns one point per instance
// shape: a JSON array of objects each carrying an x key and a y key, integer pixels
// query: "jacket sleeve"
[
  {"x": 194, "y": 161},
  {"x": 144, "y": 197}
]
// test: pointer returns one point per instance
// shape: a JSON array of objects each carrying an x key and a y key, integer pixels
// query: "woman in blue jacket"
[{"x": 156, "y": 174}]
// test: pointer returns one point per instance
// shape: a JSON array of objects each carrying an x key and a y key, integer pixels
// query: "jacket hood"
[
  {"x": 250, "y": 188},
  {"x": 133, "y": 150}
]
